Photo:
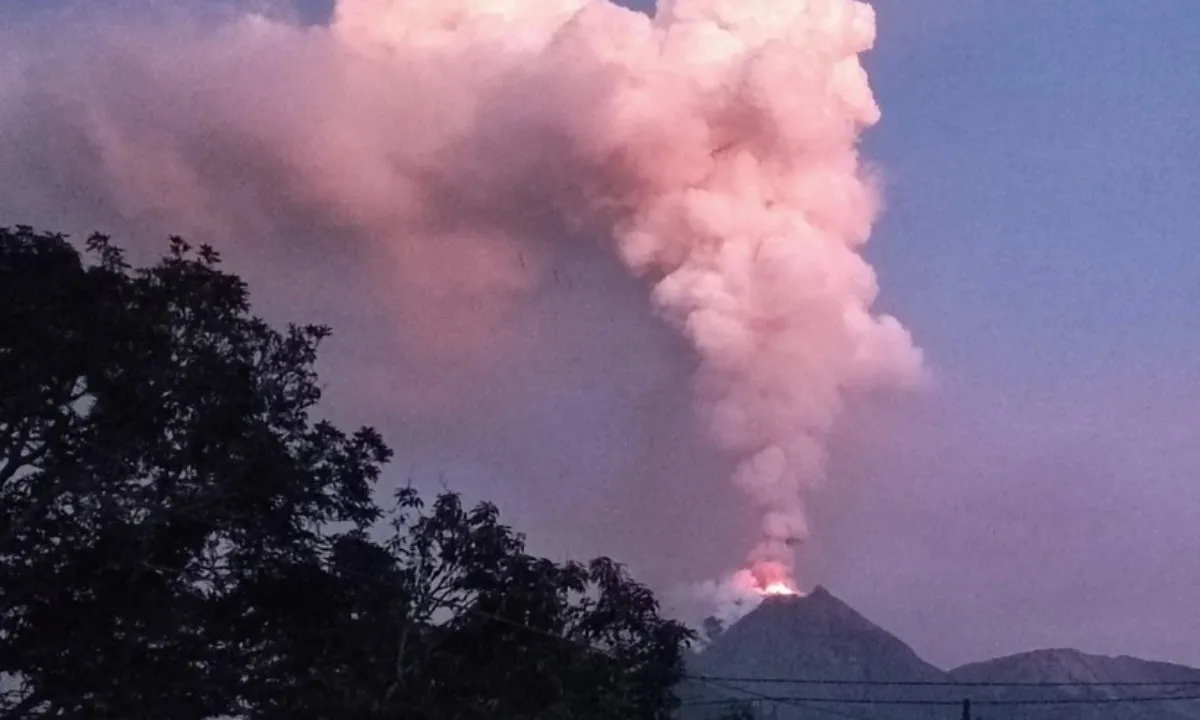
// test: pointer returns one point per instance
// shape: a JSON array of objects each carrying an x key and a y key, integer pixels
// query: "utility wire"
[
  {"x": 583, "y": 643},
  {"x": 468, "y": 608},
  {"x": 806, "y": 702},
  {"x": 945, "y": 703},
  {"x": 763, "y": 697},
  {"x": 948, "y": 683}
]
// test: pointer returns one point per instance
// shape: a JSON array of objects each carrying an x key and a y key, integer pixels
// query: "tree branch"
[{"x": 14, "y": 461}]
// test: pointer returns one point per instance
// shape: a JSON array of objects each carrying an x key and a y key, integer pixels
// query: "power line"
[
  {"x": 1092, "y": 701},
  {"x": 724, "y": 681},
  {"x": 806, "y": 702},
  {"x": 793, "y": 702},
  {"x": 947, "y": 683},
  {"x": 787, "y": 699},
  {"x": 585, "y": 644}
]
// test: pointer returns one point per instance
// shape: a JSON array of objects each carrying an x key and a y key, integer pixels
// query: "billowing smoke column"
[
  {"x": 713, "y": 146},
  {"x": 719, "y": 140}
]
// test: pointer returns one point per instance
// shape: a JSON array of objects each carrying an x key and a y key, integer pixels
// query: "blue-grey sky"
[{"x": 1042, "y": 165}]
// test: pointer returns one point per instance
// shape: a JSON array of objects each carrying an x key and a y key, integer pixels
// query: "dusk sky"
[
  {"x": 1040, "y": 242},
  {"x": 1041, "y": 166}
]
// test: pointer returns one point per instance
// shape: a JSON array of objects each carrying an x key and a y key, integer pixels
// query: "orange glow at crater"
[{"x": 777, "y": 588}]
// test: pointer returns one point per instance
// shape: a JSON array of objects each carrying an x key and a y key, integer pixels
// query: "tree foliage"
[{"x": 179, "y": 538}]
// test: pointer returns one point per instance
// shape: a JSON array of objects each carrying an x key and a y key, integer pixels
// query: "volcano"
[
  {"x": 813, "y": 656},
  {"x": 812, "y": 636}
]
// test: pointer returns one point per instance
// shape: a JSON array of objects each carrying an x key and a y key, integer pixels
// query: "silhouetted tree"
[
  {"x": 459, "y": 621},
  {"x": 158, "y": 458},
  {"x": 580, "y": 641},
  {"x": 179, "y": 539}
]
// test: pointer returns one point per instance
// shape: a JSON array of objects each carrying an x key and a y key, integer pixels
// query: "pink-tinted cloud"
[{"x": 428, "y": 168}]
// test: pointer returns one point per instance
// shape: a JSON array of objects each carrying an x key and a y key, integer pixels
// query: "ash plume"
[{"x": 462, "y": 145}]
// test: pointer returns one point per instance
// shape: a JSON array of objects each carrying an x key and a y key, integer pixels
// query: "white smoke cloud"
[
  {"x": 463, "y": 143},
  {"x": 729, "y": 135}
]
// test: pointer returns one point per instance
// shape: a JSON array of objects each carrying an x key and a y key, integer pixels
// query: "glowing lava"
[{"x": 777, "y": 589}]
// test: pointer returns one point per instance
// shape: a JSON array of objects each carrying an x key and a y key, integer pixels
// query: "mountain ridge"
[{"x": 809, "y": 656}]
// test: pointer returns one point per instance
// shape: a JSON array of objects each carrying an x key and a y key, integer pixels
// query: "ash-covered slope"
[
  {"x": 1055, "y": 668},
  {"x": 816, "y": 637},
  {"x": 819, "y": 638}
]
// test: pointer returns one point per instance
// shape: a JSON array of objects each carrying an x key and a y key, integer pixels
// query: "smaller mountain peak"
[
  {"x": 1070, "y": 665},
  {"x": 1053, "y": 653}
]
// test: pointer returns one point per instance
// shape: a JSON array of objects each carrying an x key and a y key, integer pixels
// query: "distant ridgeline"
[{"x": 816, "y": 657}]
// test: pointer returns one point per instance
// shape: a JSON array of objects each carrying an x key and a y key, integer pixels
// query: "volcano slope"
[{"x": 814, "y": 656}]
